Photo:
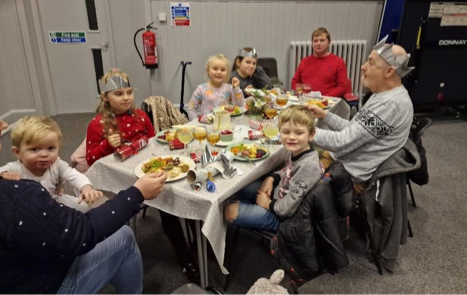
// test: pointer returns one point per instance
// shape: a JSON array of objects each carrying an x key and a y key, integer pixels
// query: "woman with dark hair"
[{"x": 246, "y": 70}]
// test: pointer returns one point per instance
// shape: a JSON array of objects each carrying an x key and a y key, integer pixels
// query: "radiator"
[{"x": 353, "y": 52}]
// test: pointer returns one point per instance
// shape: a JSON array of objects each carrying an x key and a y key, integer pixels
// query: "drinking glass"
[
  {"x": 270, "y": 112},
  {"x": 306, "y": 88},
  {"x": 185, "y": 135},
  {"x": 213, "y": 138},
  {"x": 282, "y": 100},
  {"x": 270, "y": 132},
  {"x": 299, "y": 90},
  {"x": 200, "y": 133}
]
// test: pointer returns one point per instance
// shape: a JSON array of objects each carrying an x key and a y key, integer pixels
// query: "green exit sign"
[{"x": 67, "y": 37}]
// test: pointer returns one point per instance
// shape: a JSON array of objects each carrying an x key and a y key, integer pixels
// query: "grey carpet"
[{"x": 434, "y": 261}]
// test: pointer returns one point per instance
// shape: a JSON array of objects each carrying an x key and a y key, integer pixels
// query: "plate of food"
[
  {"x": 177, "y": 167},
  {"x": 244, "y": 151},
  {"x": 323, "y": 103},
  {"x": 161, "y": 136},
  {"x": 233, "y": 110}
]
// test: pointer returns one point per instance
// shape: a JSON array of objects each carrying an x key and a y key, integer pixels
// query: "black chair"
[
  {"x": 269, "y": 65},
  {"x": 265, "y": 235},
  {"x": 416, "y": 132}
]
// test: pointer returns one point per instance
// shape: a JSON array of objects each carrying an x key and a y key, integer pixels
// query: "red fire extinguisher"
[{"x": 149, "y": 47}]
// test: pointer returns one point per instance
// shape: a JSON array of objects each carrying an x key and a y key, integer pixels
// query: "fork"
[{"x": 247, "y": 158}]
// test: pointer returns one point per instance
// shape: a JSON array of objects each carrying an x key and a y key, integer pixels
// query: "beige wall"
[{"x": 217, "y": 27}]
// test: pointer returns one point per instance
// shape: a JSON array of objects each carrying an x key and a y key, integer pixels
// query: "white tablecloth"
[{"x": 178, "y": 198}]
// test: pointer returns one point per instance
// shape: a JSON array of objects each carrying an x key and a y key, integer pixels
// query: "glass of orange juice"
[
  {"x": 213, "y": 138},
  {"x": 200, "y": 133},
  {"x": 282, "y": 100},
  {"x": 270, "y": 112}
]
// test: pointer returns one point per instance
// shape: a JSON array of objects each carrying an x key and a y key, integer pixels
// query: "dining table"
[{"x": 180, "y": 199}]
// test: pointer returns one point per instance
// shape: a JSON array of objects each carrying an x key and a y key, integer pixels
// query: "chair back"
[
  {"x": 269, "y": 65},
  {"x": 418, "y": 127},
  {"x": 348, "y": 87},
  {"x": 162, "y": 113}
]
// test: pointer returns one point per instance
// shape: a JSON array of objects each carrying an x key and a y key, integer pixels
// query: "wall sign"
[
  {"x": 67, "y": 37},
  {"x": 180, "y": 14}
]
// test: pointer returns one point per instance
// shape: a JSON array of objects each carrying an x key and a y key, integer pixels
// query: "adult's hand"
[
  {"x": 319, "y": 112},
  {"x": 114, "y": 139},
  {"x": 151, "y": 185}
]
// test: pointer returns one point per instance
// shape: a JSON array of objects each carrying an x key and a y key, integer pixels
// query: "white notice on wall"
[
  {"x": 436, "y": 10},
  {"x": 454, "y": 15},
  {"x": 180, "y": 14}
]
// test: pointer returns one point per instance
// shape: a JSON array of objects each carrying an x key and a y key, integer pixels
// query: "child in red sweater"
[
  {"x": 323, "y": 71},
  {"x": 117, "y": 120}
]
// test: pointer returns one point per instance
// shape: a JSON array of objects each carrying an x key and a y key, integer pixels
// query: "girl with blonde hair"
[{"x": 216, "y": 91}]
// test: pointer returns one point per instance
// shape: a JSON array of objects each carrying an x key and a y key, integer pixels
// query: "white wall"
[
  {"x": 16, "y": 97},
  {"x": 269, "y": 26},
  {"x": 218, "y": 26}
]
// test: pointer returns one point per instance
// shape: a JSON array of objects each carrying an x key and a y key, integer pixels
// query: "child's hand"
[
  {"x": 263, "y": 200},
  {"x": 89, "y": 195},
  {"x": 266, "y": 186},
  {"x": 235, "y": 82},
  {"x": 10, "y": 175},
  {"x": 59, "y": 189},
  {"x": 114, "y": 139}
]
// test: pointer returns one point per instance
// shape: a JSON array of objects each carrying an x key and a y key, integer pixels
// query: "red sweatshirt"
[
  {"x": 129, "y": 126},
  {"x": 326, "y": 74}
]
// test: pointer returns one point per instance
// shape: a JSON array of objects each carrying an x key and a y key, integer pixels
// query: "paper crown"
[
  {"x": 252, "y": 53},
  {"x": 399, "y": 62},
  {"x": 114, "y": 83}
]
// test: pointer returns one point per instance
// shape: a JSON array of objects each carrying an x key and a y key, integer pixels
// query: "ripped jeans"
[{"x": 251, "y": 215}]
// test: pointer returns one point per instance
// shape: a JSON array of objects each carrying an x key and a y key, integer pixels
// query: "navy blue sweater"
[{"x": 40, "y": 238}]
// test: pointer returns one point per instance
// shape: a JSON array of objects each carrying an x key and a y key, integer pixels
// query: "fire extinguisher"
[{"x": 149, "y": 47}]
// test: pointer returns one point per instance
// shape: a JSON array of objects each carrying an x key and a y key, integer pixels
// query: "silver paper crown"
[
  {"x": 244, "y": 53},
  {"x": 114, "y": 83},
  {"x": 399, "y": 62}
]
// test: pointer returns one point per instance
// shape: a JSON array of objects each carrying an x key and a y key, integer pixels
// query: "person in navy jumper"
[
  {"x": 323, "y": 71},
  {"x": 46, "y": 247}
]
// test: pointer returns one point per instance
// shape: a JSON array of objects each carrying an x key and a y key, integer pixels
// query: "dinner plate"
[
  {"x": 330, "y": 103},
  {"x": 252, "y": 90},
  {"x": 244, "y": 159},
  {"x": 162, "y": 132},
  {"x": 241, "y": 109},
  {"x": 139, "y": 168}
]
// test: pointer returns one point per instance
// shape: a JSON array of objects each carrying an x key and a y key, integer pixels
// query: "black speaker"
[{"x": 435, "y": 33}]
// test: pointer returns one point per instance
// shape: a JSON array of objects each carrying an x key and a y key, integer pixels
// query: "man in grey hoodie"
[{"x": 380, "y": 128}]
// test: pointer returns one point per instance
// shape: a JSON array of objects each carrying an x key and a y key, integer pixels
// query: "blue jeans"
[
  {"x": 251, "y": 215},
  {"x": 116, "y": 260}
]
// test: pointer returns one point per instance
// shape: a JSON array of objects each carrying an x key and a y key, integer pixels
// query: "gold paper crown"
[{"x": 399, "y": 62}]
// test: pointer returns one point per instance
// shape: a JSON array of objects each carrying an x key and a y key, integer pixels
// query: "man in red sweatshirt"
[{"x": 323, "y": 71}]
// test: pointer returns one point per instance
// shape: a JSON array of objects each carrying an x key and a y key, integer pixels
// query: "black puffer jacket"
[{"x": 309, "y": 242}]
